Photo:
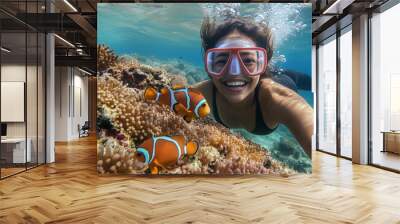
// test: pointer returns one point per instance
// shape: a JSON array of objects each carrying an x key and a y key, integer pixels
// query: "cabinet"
[
  {"x": 391, "y": 141},
  {"x": 13, "y": 150}
]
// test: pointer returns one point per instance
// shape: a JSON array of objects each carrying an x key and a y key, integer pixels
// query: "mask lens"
[
  {"x": 253, "y": 60},
  {"x": 216, "y": 61}
]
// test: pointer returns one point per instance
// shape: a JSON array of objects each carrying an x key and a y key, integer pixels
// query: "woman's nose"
[{"x": 234, "y": 67}]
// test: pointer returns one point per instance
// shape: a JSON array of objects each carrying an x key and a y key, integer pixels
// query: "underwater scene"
[{"x": 160, "y": 106}]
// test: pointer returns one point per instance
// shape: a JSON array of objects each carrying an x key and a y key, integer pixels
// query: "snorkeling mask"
[{"x": 251, "y": 60}]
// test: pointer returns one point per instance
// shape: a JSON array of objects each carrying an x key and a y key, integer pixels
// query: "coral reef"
[
  {"x": 106, "y": 58},
  {"x": 121, "y": 103},
  {"x": 140, "y": 76},
  {"x": 291, "y": 154},
  {"x": 116, "y": 157},
  {"x": 283, "y": 147},
  {"x": 192, "y": 73}
]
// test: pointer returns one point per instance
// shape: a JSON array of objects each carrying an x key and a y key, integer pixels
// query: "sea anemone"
[{"x": 115, "y": 157}]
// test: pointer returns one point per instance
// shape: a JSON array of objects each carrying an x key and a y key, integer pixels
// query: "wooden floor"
[
  {"x": 10, "y": 171},
  {"x": 70, "y": 191}
]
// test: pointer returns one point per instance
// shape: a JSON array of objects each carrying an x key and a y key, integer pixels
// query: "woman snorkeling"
[{"x": 241, "y": 92}]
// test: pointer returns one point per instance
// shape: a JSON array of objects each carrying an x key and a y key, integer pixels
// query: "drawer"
[{"x": 392, "y": 142}]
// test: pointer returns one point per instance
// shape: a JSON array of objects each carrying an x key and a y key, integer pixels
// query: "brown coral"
[
  {"x": 114, "y": 157},
  {"x": 139, "y": 76},
  {"x": 106, "y": 57}
]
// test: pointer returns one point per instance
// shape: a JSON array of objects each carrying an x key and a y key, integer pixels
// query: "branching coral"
[{"x": 106, "y": 58}]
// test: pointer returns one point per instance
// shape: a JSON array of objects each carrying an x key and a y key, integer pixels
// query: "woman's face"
[{"x": 234, "y": 84}]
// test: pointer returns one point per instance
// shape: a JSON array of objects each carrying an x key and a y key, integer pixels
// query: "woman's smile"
[{"x": 235, "y": 85}]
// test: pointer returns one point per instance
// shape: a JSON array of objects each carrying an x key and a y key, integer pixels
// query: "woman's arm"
[{"x": 283, "y": 105}]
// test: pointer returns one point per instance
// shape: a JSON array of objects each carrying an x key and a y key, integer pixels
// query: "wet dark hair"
[{"x": 260, "y": 33}]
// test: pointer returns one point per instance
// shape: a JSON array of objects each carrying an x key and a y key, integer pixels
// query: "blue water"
[
  {"x": 165, "y": 32},
  {"x": 171, "y": 30}
]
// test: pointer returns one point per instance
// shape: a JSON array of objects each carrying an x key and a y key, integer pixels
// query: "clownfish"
[
  {"x": 159, "y": 152},
  {"x": 187, "y": 102}
]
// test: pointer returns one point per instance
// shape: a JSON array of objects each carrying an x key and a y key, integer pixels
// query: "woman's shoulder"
[
  {"x": 206, "y": 88},
  {"x": 202, "y": 84}
]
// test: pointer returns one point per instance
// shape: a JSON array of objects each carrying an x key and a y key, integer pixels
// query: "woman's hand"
[{"x": 282, "y": 105}]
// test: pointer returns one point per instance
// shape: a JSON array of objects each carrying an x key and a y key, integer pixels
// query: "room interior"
[
  {"x": 49, "y": 91},
  {"x": 22, "y": 104}
]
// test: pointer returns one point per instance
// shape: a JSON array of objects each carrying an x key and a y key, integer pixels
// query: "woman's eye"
[
  {"x": 220, "y": 62},
  {"x": 249, "y": 61}
]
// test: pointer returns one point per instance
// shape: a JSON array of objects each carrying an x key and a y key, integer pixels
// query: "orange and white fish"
[
  {"x": 159, "y": 152},
  {"x": 187, "y": 102}
]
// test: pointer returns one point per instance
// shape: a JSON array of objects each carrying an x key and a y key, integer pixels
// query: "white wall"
[
  {"x": 61, "y": 103},
  {"x": 80, "y": 109},
  {"x": 16, "y": 73},
  {"x": 33, "y": 127},
  {"x": 71, "y": 94},
  {"x": 12, "y": 73}
]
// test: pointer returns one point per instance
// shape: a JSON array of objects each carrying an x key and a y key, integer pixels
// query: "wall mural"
[{"x": 204, "y": 88}]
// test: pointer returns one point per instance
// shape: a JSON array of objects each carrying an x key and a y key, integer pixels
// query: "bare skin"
[{"x": 279, "y": 105}]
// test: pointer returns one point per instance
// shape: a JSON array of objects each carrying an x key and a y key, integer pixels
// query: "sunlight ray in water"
[{"x": 283, "y": 19}]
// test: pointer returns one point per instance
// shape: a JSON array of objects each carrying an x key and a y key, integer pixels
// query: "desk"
[
  {"x": 13, "y": 150},
  {"x": 391, "y": 141}
]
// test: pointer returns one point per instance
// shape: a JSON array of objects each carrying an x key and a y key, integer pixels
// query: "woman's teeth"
[{"x": 235, "y": 83}]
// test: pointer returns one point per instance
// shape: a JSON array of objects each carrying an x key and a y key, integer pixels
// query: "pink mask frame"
[{"x": 235, "y": 51}]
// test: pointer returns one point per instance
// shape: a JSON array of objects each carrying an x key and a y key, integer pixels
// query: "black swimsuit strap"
[
  {"x": 260, "y": 129},
  {"x": 214, "y": 108}
]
